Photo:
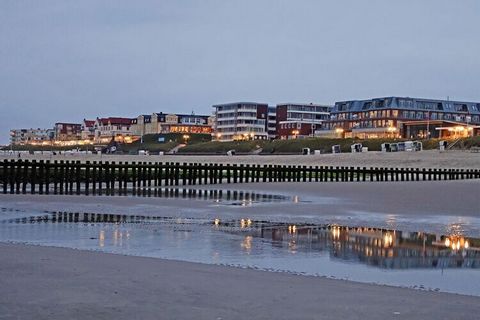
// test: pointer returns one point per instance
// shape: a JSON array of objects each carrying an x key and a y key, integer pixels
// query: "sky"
[{"x": 63, "y": 61}]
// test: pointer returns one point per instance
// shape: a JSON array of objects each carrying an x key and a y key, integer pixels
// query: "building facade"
[
  {"x": 241, "y": 121},
  {"x": 272, "y": 123},
  {"x": 88, "y": 130},
  {"x": 67, "y": 131},
  {"x": 31, "y": 136},
  {"x": 118, "y": 129},
  {"x": 300, "y": 120},
  {"x": 394, "y": 117},
  {"x": 171, "y": 123}
]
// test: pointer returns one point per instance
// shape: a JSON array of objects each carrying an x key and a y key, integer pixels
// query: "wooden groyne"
[{"x": 75, "y": 177}]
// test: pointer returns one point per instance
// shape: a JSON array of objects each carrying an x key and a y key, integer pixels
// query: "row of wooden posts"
[{"x": 75, "y": 177}]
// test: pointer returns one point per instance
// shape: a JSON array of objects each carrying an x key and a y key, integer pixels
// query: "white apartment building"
[{"x": 240, "y": 121}]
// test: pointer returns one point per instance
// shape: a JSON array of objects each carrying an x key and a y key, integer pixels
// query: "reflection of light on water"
[
  {"x": 335, "y": 233},
  {"x": 101, "y": 238},
  {"x": 247, "y": 243},
  {"x": 292, "y": 229},
  {"x": 388, "y": 239}
]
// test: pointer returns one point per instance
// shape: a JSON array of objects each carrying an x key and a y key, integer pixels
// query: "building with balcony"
[
  {"x": 395, "y": 117},
  {"x": 31, "y": 136},
  {"x": 114, "y": 128},
  {"x": 172, "y": 123},
  {"x": 241, "y": 121},
  {"x": 88, "y": 130},
  {"x": 272, "y": 122},
  {"x": 67, "y": 131},
  {"x": 300, "y": 120}
]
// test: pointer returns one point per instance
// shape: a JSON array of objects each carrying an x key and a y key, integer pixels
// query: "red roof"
[
  {"x": 89, "y": 123},
  {"x": 115, "y": 120}
]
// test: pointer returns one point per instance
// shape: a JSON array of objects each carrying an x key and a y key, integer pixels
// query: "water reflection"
[{"x": 382, "y": 248}]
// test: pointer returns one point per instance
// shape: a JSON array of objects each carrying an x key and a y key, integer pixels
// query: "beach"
[
  {"x": 56, "y": 283},
  {"x": 44, "y": 282},
  {"x": 453, "y": 159}
]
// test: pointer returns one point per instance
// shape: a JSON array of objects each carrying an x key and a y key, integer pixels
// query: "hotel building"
[
  {"x": 67, "y": 131},
  {"x": 31, "y": 136},
  {"x": 300, "y": 120},
  {"x": 118, "y": 129},
  {"x": 395, "y": 117},
  {"x": 172, "y": 123},
  {"x": 241, "y": 121}
]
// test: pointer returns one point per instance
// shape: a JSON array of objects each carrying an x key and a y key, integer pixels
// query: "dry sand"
[
  {"x": 424, "y": 159},
  {"x": 55, "y": 283}
]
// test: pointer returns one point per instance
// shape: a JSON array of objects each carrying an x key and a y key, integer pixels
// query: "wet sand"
[
  {"x": 425, "y": 159},
  {"x": 306, "y": 199},
  {"x": 56, "y": 283}
]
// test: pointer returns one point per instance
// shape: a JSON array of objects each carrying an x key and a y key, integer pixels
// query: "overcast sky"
[{"x": 69, "y": 60}]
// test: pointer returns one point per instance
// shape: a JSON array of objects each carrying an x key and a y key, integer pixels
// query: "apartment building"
[
  {"x": 272, "y": 122},
  {"x": 116, "y": 128},
  {"x": 65, "y": 131},
  {"x": 300, "y": 120},
  {"x": 241, "y": 121},
  {"x": 172, "y": 123},
  {"x": 88, "y": 130},
  {"x": 406, "y": 117},
  {"x": 31, "y": 136}
]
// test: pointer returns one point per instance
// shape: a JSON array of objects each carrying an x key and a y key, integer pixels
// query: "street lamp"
[
  {"x": 295, "y": 133},
  {"x": 219, "y": 136},
  {"x": 186, "y": 137},
  {"x": 339, "y": 132}
]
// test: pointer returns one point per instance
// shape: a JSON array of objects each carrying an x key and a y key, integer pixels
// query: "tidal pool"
[{"x": 441, "y": 262}]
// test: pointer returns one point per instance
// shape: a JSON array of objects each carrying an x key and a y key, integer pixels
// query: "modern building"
[
  {"x": 393, "y": 117},
  {"x": 272, "y": 122},
  {"x": 300, "y": 120},
  {"x": 67, "y": 131},
  {"x": 241, "y": 121},
  {"x": 31, "y": 136},
  {"x": 118, "y": 129}
]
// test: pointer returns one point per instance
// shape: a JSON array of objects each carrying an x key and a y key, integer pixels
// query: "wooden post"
[
  {"x": 87, "y": 177},
  {"x": 47, "y": 177},
  {"x": 77, "y": 176},
  {"x": 41, "y": 176},
  {"x": 33, "y": 178}
]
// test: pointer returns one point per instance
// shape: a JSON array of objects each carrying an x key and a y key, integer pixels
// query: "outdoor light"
[{"x": 217, "y": 222}]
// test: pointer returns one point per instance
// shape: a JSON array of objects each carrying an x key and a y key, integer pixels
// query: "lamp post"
[
  {"x": 339, "y": 131},
  {"x": 185, "y": 138},
  {"x": 295, "y": 133}
]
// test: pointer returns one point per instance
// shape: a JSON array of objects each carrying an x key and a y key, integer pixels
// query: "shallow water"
[{"x": 447, "y": 262}]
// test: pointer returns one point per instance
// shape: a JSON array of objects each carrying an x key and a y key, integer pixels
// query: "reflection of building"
[
  {"x": 403, "y": 117},
  {"x": 377, "y": 247},
  {"x": 31, "y": 136},
  {"x": 241, "y": 121},
  {"x": 302, "y": 120}
]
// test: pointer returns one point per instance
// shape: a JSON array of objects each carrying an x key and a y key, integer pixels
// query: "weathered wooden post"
[
  {"x": 87, "y": 177},
  {"x": 77, "y": 176},
  {"x": 33, "y": 175},
  {"x": 26, "y": 167}
]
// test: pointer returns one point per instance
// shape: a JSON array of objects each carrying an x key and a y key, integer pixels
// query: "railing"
[{"x": 75, "y": 177}]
